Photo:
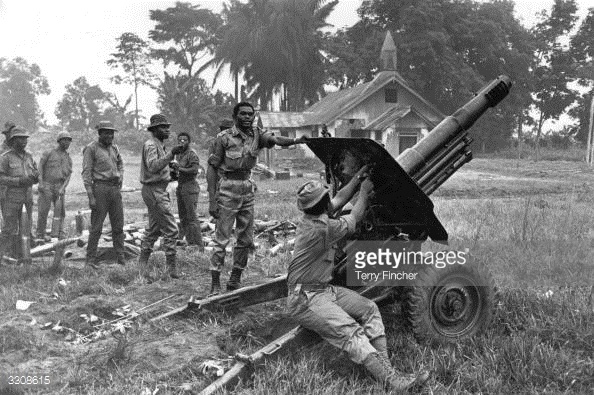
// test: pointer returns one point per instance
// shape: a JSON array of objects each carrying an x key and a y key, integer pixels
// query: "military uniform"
[
  {"x": 103, "y": 172},
  {"x": 18, "y": 172},
  {"x": 187, "y": 194},
  {"x": 56, "y": 167},
  {"x": 342, "y": 317},
  {"x": 234, "y": 154},
  {"x": 154, "y": 176}
]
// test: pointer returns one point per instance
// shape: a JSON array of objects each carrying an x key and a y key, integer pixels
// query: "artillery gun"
[{"x": 443, "y": 304}]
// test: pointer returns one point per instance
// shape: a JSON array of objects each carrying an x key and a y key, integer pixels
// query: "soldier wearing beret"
[
  {"x": 103, "y": 176},
  {"x": 55, "y": 169},
  {"x": 18, "y": 173}
]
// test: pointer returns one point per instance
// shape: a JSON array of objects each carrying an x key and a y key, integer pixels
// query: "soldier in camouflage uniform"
[
  {"x": 18, "y": 173},
  {"x": 8, "y": 126},
  {"x": 155, "y": 176},
  {"x": 231, "y": 191},
  {"x": 55, "y": 169}
]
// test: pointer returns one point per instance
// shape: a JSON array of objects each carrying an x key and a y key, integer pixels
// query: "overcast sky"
[{"x": 69, "y": 39}]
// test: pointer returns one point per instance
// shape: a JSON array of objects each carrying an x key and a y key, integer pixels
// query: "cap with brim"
[
  {"x": 158, "y": 120},
  {"x": 63, "y": 135},
  {"x": 310, "y": 194},
  {"x": 8, "y": 126},
  {"x": 18, "y": 132},
  {"x": 105, "y": 125}
]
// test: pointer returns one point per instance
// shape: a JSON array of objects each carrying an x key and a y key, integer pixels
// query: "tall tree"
[
  {"x": 81, "y": 106},
  {"x": 188, "y": 34},
  {"x": 553, "y": 66},
  {"x": 133, "y": 58},
  {"x": 190, "y": 106},
  {"x": 276, "y": 44},
  {"x": 446, "y": 51},
  {"x": 20, "y": 85}
]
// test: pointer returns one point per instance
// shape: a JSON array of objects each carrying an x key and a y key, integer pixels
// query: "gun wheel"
[{"x": 452, "y": 303}]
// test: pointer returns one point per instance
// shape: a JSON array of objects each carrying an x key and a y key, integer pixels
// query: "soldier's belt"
[
  {"x": 110, "y": 181},
  {"x": 237, "y": 175}
]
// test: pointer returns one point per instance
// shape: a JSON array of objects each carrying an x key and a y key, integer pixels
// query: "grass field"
[{"x": 533, "y": 223}]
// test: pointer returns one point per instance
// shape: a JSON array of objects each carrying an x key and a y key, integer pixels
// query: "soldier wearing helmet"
[
  {"x": 55, "y": 169},
  {"x": 8, "y": 126},
  {"x": 18, "y": 173},
  {"x": 339, "y": 315}
]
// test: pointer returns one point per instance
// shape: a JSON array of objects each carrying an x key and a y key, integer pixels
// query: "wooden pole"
[{"x": 590, "y": 153}]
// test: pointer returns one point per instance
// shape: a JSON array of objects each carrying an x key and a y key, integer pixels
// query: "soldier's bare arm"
[{"x": 87, "y": 174}]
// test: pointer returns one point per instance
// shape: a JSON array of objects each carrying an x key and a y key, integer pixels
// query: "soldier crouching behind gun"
[
  {"x": 339, "y": 315},
  {"x": 18, "y": 172},
  {"x": 231, "y": 191}
]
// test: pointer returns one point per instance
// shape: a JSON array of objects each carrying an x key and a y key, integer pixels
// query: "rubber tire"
[{"x": 470, "y": 282}]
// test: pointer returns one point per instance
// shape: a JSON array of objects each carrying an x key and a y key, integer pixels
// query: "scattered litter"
[
  {"x": 212, "y": 367},
  {"x": 47, "y": 325},
  {"x": 90, "y": 317},
  {"x": 33, "y": 322},
  {"x": 272, "y": 192},
  {"x": 63, "y": 283},
  {"x": 23, "y": 304}
]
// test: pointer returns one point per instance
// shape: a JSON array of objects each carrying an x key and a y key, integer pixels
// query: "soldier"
[
  {"x": 231, "y": 191},
  {"x": 154, "y": 176},
  {"x": 18, "y": 173},
  {"x": 8, "y": 126},
  {"x": 55, "y": 169},
  {"x": 188, "y": 190},
  {"x": 103, "y": 176},
  {"x": 339, "y": 315}
]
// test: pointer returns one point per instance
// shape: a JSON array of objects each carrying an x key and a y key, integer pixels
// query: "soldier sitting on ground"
[{"x": 339, "y": 315}]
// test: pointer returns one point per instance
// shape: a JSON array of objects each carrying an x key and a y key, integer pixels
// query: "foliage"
[
  {"x": 81, "y": 105},
  {"x": 190, "y": 33},
  {"x": 276, "y": 44},
  {"x": 133, "y": 58},
  {"x": 20, "y": 85},
  {"x": 191, "y": 107},
  {"x": 442, "y": 53},
  {"x": 553, "y": 65}
]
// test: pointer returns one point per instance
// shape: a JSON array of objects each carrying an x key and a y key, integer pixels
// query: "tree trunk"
[
  {"x": 135, "y": 95},
  {"x": 236, "y": 78},
  {"x": 538, "y": 132},
  {"x": 590, "y": 150},
  {"x": 520, "y": 122}
]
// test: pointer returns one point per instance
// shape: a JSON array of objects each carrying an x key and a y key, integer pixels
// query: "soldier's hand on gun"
[
  {"x": 178, "y": 149},
  {"x": 363, "y": 172},
  {"x": 367, "y": 187},
  {"x": 174, "y": 165}
]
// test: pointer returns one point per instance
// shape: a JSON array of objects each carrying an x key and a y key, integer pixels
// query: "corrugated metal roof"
[
  {"x": 282, "y": 119},
  {"x": 388, "y": 117}
]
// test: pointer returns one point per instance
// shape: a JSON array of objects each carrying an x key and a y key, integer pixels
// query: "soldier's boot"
[
  {"x": 143, "y": 265},
  {"x": 389, "y": 378},
  {"x": 172, "y": 266},
  {"x": 380, "y": 344},
  {"x": 235, "y": 279},
  {"x": 215, "y": 287},
  {"x": 91, "y": 262},
  {"x": 121, "y": 260}
]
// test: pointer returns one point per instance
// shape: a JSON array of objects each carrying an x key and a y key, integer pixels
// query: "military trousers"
[
  {"x": 12, "y": 207},
  {"x": 108, "y": 199},
  {"x": 235, "y": 201},
  {"x": 49, "y": 195},
  {"x": 161, "y": 220},
  {"x": 340, "y": 316},
  {"x": 187, "y": 194}
]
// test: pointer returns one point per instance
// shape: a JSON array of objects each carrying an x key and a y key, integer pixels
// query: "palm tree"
[{"x": 276, "y": 45}]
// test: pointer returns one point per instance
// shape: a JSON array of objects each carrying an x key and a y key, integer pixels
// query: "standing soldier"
[
  {"x": 188, "y": 190},
  {"x": 18, "y": 173},
  {"x": 231, "y": 191},
  {"x": 8, "y": 126},
  {"x": 154, "y": 176},
  {"x": 103, "y": 176},
  {"x": 55, "y": 169}
]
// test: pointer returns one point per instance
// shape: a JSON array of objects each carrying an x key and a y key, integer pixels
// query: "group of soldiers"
[{"x": 341, "y": 316}]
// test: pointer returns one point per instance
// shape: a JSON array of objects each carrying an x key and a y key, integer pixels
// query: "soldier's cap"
[
  {"x": 158, "y": 120},
  {"x": 226, "y": 123},
  {"x": 8, "y": 126},
  {"x": 105, "y": 125},
  {"x": 63, "y": 135},
  {"x": 310, "y": 194},
  {"x": 18, "y": 131}
]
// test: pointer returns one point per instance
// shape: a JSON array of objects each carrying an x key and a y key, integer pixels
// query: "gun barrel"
[
  {"x": 414, "y": 158},
  {"x": 40, "y": 250}
]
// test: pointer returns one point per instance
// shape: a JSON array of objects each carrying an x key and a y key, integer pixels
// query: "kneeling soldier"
[{"x": 339, "y": 315}]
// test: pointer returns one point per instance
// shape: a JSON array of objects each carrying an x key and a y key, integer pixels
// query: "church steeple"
[{"x": 388, "y": 57}]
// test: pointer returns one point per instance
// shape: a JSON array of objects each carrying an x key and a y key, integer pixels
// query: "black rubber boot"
[
  {"x": 235, "y": 280},
  {"x": 172, "y": 266},
  {"x": 215, "y": 287}
]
